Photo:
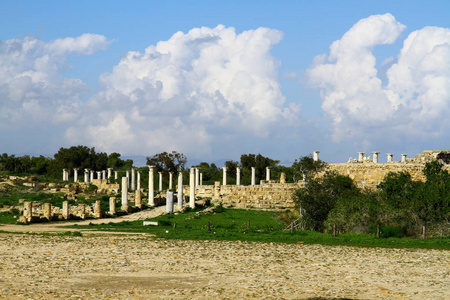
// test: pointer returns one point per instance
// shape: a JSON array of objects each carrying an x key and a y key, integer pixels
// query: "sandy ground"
[{"x": 105, "y": 266}]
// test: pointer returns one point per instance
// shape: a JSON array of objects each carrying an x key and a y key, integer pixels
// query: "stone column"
[
  {"x": 112, "y": 205},
  {"x": 316, "y": 155},
  {"x": 133, "y": 179},
  {"x": 98, "y": 209},
  {"x": 65, "y": 175},
  {"x": 138, "y": 182},
  {"x": 224, "y": 176},
  {"x": 180, "y": 191},
  {"x": 151, "y": 190},
  {"x": 99, "y": 174},
  {"x": 390, "y": 157},
  {"x": 253, "y": 176},
  {"x": 267, "y": 174},
  {"x": 170, "y": 180},
  {"x": 192, "y": 188},
  {"x": 138, "y": 199},
  {"x": 104, "y": 174},
  {"x": 124, "y": 194},
  {"x": 160, "y": 182},
  {"x": 83, "y": 211},
  {"x": 361, "y": 156},
  {"x": 75, "y": 175},
  {"x": 201, "y": 178},
  {"x": 28, "y": 211},
  {"x": 216, "y": 197},
  {"x": 375, "y": 157},
  {"x": 169, "y": 202},
  {"x": 86, "y": 175},
  {"x": 238, "y": 176},
  {"x": 127, "y": 174},
  {"x": 197, "y": 177},
  {"x": 109, "y": 172},
  {"x": 66, "y": 210},
  {"x": 116, "y": 174},
  {"x": 404, "y": 157},
  {"x": 283, "y": 178},
  {"x": 48, "y": 211},
  {"x": 91, "y": 176}
]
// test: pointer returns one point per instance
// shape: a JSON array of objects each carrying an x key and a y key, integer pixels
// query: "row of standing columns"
[{"x": 390, "y": 157}]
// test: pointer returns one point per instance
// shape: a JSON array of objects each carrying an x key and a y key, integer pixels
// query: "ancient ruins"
[{"x": 269, "y": 194}]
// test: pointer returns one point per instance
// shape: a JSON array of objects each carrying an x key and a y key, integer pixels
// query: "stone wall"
[{"x": 268, "y": 195}]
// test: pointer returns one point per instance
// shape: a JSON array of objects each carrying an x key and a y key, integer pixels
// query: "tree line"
[{"x": 74, "y": 157}]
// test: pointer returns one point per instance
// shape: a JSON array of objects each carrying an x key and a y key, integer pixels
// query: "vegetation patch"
[{"x": 258, "y": 226}]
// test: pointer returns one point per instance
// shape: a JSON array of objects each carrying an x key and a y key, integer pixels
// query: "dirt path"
[{"x": 59, "y": 226}]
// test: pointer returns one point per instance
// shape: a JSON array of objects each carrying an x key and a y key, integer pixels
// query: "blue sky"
[{"x": 277, "y": 99}]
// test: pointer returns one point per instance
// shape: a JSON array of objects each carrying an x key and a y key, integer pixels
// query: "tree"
[
  {"x": 259, "y": 162},
  {"x": 168, "y": 162},
  {"x": 306, "y": 166},
  {"x": 319, "y": 197}
]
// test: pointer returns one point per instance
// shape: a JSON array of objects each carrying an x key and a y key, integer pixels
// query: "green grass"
[
  {"x": 9, "y": 217},
  {"x": 231, "y": 225}
]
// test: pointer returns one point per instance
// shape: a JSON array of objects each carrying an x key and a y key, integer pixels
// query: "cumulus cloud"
[
  {"x": 189, "y": 93},
  {"x": 417, "y": 93},
  {"x": 32, "y": 88}
]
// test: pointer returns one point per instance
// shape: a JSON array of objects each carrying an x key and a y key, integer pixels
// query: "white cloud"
[
  {"x": 32, "y": 89},
  {"x": 414, "y": 100},
  {"x": 189, "y": 93}
]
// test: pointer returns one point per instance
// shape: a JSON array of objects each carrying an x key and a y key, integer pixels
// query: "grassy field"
[{"x": 260, "y": 226}]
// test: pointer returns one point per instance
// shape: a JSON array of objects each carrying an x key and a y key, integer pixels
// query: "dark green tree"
[
  {"x": 306, "y": 166},
  {"x": 320, "y": 196},
  {"x": 167, "y": 162}
]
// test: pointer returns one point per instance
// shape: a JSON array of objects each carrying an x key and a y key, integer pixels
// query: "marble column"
[
  {"x": 99, "y": 174},
  {"x": 138, "y": 182},
  {"x": 160, "y": 182},
  {"x": 124, "y": 194},
  {"x": 375, "y": 157},
  {"x": 75, "y": 175},
  {"x": 238, "y": 176},
  {"x": 151, "y": 190},
  {"x": 180, "y": 190},
  {"x": 169, "y": 202},
  {"x": 65, "y": 174},
  {"x": 201, "y": 178},
  {"x": 197, "y": 177},
  {"x": 133, "y": 179},
  {"x": 316, "y": 155},
  {"x": 253, "y": 176},
  {"x": 361, "y": 156},
  {"x": 170, "y": 180},
  {"x": 267, "y": 174},
  {"x": 224, "y": 176},
  {"x": 104, "y": 174},
  {"x": 404, "y": 157},
  {"x": 110, "y": 172},
  {"x": 390, "y": 157},
  {"x": 116, "y": 174},
  {"x": 127, "y": 174},
  {"x": 91, "y": 177},
  {"x": 86, "y": 175},
  {"x": 192, "y": 188}
]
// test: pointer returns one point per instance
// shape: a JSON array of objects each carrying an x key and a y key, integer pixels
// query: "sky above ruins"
[{"x": 215, "y": 80}]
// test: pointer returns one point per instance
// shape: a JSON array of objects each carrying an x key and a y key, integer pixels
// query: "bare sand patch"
[{"x": 140, "y": 267}]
